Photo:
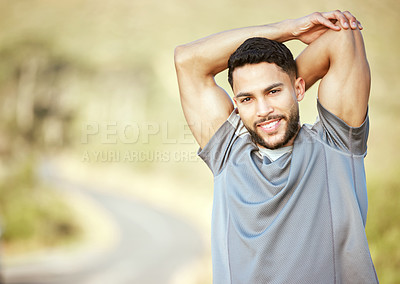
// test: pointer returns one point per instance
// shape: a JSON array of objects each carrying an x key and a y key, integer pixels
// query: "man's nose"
[{"x": 264, "y": 108}]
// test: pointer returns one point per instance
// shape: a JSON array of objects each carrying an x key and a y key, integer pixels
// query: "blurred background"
[{"x": 99, "y": 176}]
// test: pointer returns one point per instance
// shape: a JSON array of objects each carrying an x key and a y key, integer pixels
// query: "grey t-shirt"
[{"x": 299, "y": 219}]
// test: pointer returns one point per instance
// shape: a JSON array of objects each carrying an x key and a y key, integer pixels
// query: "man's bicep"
[
  {"x": 206, "y": 107},
  {"x": 344, "y": 90}
]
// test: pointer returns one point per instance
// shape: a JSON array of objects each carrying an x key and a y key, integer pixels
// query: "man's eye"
[
  {"x": 245, "y": 100},
  {"x": 274, "y": 91}
]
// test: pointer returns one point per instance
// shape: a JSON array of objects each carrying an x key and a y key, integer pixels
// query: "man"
[{"x": 290, "y": 202}]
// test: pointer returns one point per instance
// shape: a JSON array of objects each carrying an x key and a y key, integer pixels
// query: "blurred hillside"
[{"x": 95, "y": 81}]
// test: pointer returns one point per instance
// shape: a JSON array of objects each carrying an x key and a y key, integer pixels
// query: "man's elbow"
[
  {"x": 348, "y": 41},
  {"x": 346, "y": 47},
  {"x": 181, "y": 57}
]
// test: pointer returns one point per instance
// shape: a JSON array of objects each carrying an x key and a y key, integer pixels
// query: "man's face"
[{"x": 267, "y": 101}]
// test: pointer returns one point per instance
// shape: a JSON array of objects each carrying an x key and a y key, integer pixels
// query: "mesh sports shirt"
[{"x": 299, "y": 219}]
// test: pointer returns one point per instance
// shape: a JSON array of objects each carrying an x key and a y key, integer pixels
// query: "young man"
[{"x": 290, "y": 202}]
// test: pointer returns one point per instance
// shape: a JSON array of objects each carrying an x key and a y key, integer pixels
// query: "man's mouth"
[{"x": 270, "y": 126}]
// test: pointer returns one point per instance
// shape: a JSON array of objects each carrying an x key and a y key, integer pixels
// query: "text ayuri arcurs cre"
[
  {"x": 114, "y": 156},
  {"x": 117, "y": 132}
]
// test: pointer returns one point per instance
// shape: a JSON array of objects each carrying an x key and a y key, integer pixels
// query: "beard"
[{"x": 291, "y": 130}]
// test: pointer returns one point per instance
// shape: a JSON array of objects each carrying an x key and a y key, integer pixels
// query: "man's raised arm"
[
  {"x": 339, "y": 59},
  {"x": 207, "y": 106}
]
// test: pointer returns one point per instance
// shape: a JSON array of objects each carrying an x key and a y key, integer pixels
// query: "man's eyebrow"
[
  {"x": 243, "y": 94},
  {"x": 266, "y": 90},
  {"x": 273, "y": 86}
]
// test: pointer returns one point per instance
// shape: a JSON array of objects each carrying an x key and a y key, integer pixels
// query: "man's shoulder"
[
  {"x": 330, "y": 130},
  {"x": 231, "y": 139}
]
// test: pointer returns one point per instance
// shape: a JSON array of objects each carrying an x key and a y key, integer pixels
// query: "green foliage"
[
  {"x": 383, "y": 229},
  {"x": 33, "y": 215},
  {"x": 33, "y": 112}
]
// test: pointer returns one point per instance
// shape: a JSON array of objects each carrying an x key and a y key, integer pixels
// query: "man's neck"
[{"x": 275, "y": 154}]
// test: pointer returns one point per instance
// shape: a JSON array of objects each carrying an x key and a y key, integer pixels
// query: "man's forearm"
[{"x": 210, "y": 55}]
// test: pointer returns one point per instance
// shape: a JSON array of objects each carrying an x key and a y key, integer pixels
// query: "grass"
[
  {"x": 382, "y": 228},
  {"x": 33, "y": 215}
]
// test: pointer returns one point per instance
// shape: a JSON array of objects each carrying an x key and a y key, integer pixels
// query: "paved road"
[{"x": 152, "y": 246}]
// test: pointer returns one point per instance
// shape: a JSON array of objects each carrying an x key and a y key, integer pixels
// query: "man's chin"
[
  {"x": 272, "y": 146},
  {"x": 272, "y": 142}
]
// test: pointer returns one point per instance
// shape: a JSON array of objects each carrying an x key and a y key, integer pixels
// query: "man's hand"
[{"x": 309, "y": 28}]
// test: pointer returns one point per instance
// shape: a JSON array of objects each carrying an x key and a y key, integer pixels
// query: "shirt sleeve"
[
  {"x": 342, "y": 136},
  {"x": 217, "y": 150}
]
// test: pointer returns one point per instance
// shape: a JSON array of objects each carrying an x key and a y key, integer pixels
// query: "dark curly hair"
[{"x": 258, "y": 49}]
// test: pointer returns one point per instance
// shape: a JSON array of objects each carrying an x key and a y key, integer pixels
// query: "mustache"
[{"x": 277, "y": 116}]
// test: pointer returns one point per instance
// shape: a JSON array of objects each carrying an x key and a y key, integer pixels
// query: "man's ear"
[{"x": 300, "y": 88}]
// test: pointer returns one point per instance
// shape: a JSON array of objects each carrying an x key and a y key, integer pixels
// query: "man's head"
[
  {"x": 258, "y": 49},
  {"x": 266, "y": 89}
]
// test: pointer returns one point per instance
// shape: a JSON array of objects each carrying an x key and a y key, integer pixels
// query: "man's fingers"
[
  {"x": 345, "y": 19},
  {"x": 344, "y": 22},
  {"x": 325, "y": 19},
  {"x": 339, "y": 17},
  {"x": 354, "y": 24}
]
